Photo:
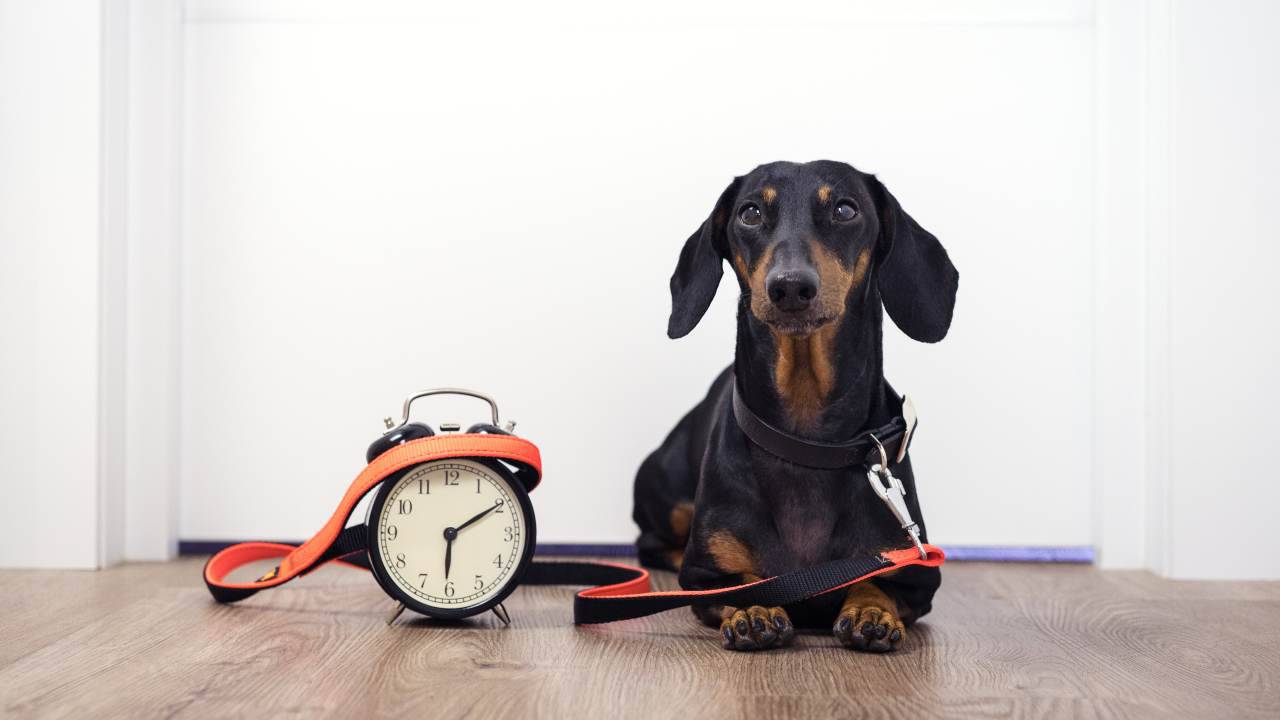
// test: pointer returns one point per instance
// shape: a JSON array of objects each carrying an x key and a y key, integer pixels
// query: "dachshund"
[{"x": 818, "y": 249}]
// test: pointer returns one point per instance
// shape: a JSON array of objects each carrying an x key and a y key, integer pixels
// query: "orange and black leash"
[{"x": 617, "y": 592}]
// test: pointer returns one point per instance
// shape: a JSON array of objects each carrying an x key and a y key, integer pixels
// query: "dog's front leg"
[
  {"x": 717, "y": 558},
  {"x": 869, "y": 620}
]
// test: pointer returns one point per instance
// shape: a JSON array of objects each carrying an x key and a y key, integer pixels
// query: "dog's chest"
[{"x": 805, "y": 516}]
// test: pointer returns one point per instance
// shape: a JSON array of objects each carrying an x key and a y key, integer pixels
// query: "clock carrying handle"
[
  {"x": 620, "y": 592},
  {"x": 337, "y": 542}
]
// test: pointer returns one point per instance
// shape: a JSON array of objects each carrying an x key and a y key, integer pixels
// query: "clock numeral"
[
  {"x": 448, "y": 588},
  {"x": 399, "y": 560},
  {"x": 477, "y": 485},
  {"x": 498, "y": 502},
  {"x": 451, "y": 477},
  {"x": 479, "y": 583},
  {"x": 508, "y": 534},
  {"x": 497, "y": 562},
  {"x": 406, "y": 506},
  {"x": 392, "y": 532},
  {"x": 423, "y": 577},
  {"x": 424, "y": 486}
]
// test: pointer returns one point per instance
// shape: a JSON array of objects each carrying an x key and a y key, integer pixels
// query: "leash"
[{"x": 617, "y": 591}]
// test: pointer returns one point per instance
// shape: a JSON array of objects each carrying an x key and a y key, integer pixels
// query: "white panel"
[
  {"x": 49, "y": 282},
  {"x": 1223, "y": 296},
  {"x": 151, "y": 427},
  {"x": 1120, "y": 285},
  {"x": 375, "y": 207}
]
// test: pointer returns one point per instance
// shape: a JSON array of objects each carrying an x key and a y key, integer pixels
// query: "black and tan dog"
[{"x": 818, "y": 249}]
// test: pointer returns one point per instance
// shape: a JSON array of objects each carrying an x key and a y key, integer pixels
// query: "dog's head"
[{"x": 810, "y": 243}]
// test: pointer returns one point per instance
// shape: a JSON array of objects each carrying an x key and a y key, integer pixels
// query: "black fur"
[{"x": 790, "y": 516}]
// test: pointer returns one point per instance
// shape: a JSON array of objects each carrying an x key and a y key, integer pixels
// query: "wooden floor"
[{"x": 145, "y": 640}]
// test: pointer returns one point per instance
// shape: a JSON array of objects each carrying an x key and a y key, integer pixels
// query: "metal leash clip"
[{"x": 891, "y": 491}]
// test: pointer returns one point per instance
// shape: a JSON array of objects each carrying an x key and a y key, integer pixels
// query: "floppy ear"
[
  {"x": 697, "y": 275},
  {"x": 916, "y": 279}
]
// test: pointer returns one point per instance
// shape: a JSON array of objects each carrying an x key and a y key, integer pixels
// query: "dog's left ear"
[
  {"x": 916, "y": 279},
  {"x": 697, "y": 275}
]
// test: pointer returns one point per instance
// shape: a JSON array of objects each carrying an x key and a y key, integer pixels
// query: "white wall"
[
  {"x": 50, "y": 285},
  {"x": 1100, "y": 174},
  {"x": 1222, "y": 298},
  {"x": 379, "y": 200}
]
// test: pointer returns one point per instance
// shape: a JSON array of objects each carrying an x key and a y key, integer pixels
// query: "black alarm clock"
[{"x": 449, "y": 538}]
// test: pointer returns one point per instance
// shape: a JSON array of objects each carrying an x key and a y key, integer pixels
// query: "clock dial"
[{"x": 451, "y": 534}]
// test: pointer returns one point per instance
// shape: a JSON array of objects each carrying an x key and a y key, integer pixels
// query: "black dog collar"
[{"x": 861, "y": 450}]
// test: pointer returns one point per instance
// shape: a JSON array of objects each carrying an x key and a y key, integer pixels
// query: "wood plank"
[{"x": 1054, "y": 641}]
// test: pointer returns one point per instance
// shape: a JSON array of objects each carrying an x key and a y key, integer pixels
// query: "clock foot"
[
  {"x": 396, "y": 614},
  {"x": 501, "y": 612}
]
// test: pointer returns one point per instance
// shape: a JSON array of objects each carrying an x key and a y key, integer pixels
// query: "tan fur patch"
[
  {"x": 835, "y": 280},
  {"x": 677, "y": 558},
  {"x": 804, "y": 374},
  {"x": 731, "y": 555},
  {"x": 755, "y": 281},
  {"x": 824, "y": 194},
  {"x": 769, "y": 194},
  {"x": 860, "y": 267},
  {"x": 805, "y": 369},
  {"x": 680, "y": 520},
  {"x": 866, "y": 594}
]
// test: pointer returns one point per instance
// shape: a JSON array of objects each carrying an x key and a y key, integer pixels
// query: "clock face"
[{"x": 451, "y": 535}]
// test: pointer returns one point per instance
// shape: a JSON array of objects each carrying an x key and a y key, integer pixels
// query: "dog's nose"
[{"x": 793, "y": 290}]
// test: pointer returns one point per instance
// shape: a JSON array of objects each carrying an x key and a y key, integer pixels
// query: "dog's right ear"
[{"x": 697, "y": 275}]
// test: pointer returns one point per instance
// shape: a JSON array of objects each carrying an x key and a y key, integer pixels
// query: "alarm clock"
[{"x": 449, "y": 538}]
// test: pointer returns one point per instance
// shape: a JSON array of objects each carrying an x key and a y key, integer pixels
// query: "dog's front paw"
[
  {"x": 869, "y": 628},
  {"x": 756, "y": 628}
]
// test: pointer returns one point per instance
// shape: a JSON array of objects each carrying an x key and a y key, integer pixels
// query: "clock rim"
[{"x": 389, "y": 585}]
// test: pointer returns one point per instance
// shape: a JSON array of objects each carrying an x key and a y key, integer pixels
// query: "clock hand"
[
  {"x": 450, "y": 534},
  {"x": 487, "y": 510}
]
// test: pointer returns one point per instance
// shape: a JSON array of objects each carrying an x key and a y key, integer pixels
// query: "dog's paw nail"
[
  {"x": 759, "y": 625},
  {"x": 741, "y": 625},
  {"x": 779, "y": 622},
  {"x": 728, "y": 637},
  {"x": 868, "y": 629},
  {"x": 896, "y": 635},
  {"x": 844, "y": 625},
  {"x": 882, "y": 630}
]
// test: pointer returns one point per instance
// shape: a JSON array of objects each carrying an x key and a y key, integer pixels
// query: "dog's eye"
[
  {"x": 750, "y": 214},
  {"x": 845, "y": 211}
]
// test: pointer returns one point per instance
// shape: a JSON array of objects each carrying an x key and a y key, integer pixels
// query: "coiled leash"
[{"x": 617, "y": 591}]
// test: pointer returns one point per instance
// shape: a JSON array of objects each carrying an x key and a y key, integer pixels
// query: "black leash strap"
[{"x": 619, "y": 591}]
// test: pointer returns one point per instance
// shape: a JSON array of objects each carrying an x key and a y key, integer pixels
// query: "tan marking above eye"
[
  {"x": 769, "y": 194},
  {"x": 824, "y": 194}
]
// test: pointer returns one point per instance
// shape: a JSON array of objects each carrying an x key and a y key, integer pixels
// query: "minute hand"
[{"x": 479, "y": 515}]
